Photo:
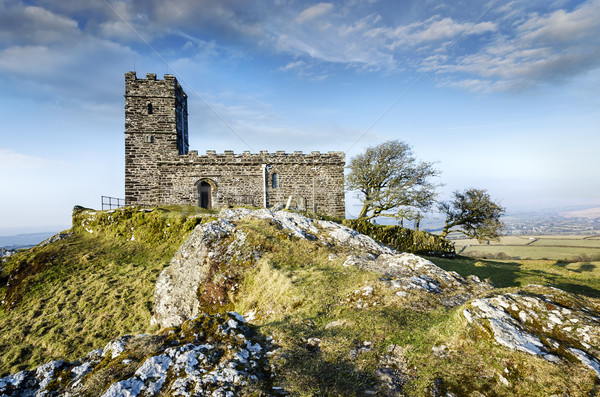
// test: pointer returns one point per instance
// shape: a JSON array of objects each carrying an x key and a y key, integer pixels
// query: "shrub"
[{"x": 402, "y": 239}]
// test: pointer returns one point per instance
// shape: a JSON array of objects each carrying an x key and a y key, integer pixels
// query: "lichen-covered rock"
[
  {"x": 210, "y": 355},
  {"x": 418, "y": 280},
  {"x": 543, "y": 321},
  {"x": 4, "y": 253},
  {"x": 351, "y": 239},
  {"x": 175, "y": 296},
  {"x": 55, "y": 238}
]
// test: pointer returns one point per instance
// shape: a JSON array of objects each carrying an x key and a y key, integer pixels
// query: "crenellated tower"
[{"x": 156, "y": 130}]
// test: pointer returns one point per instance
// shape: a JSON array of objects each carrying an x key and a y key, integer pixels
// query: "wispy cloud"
[{"x": 313, "y": 12}]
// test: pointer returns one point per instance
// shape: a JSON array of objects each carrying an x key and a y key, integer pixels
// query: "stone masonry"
[{"x": 160, "y": 168}]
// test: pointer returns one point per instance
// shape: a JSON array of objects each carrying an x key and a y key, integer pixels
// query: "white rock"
[
  {"x": 238, "y": 317},
  {"x": 13, "y": 380},
  {"x": 81, "y": 370},
  {"x": 154, "y": 367},
  {"x": 552, "y": 317},
  {"x": 509, "y": 335},
  {"x": 125, "y": 388},
  {"x": 587, "y": 360},
  {"x": 232, "y": 323},
  {"x": 250, "y": 316},
  {"x": 114, "y": 347},
  {"x": 44, "y": 373},
  {"x": 254, "y": 348},
  {"x": 523, "y": 316}
]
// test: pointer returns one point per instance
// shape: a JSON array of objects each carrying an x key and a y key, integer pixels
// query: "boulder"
[{"x": 542, "y": 321}]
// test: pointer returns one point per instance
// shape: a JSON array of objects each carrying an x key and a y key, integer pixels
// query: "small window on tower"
[
  {"x": 149, "y": 108},
  {"x": 275, "y": 181}
]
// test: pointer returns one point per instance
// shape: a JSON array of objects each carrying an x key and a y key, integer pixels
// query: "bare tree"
[
  {"x": 474, "y": 213},
  {"x": 391, "y": 181}
]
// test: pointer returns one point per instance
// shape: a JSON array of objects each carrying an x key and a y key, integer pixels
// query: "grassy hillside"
[
  {"x": 298, "y": 294},
  {"x": 334, "y": 325},
  {"x": 66, "y": 298}
]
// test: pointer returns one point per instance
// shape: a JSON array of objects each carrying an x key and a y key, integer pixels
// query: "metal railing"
[{"x": 109, "y": 203}]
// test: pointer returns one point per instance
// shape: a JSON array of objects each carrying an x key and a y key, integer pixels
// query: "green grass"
[
  {"x": 531, "y": 252},
  {"x": 577, "y": 278},
  {"x": 70, "y": 297},
  {"x": 566, "y": 248},
  {"x": 571, "y": 242}
]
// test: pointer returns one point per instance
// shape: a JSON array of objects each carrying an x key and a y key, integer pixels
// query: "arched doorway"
[{"x": 204, "y": 195}]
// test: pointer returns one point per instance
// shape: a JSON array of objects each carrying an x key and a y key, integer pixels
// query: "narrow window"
[
  {"x": 149, "y": 108},
  {"x": 275, "y": 180}
]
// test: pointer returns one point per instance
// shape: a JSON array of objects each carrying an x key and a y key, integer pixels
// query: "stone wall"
[
  {"x": 241, "y": 179},
  {"x": 158, "y": 171}
]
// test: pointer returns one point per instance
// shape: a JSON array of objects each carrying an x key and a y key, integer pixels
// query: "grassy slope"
[
  {"x": 72, "y": 296},
  {"x": 99, "y": 285},
  {"x": 297, "y": 290}
]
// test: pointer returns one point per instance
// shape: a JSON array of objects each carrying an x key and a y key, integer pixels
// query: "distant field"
[
  {"x": 568, "y": 248},
  {"x": 591, "y": 213}
]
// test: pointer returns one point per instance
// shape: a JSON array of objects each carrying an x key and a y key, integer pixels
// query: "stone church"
[{"x": 160, "y": 169}]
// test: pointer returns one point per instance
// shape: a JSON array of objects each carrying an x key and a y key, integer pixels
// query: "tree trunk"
[
  {"x": 445, "y": 230},
  {"x": 363, "y": 211}
]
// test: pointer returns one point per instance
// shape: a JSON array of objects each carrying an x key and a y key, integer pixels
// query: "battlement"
[
  {"x": 264, "y": 154},
  {"x": 169, "y": 87}
]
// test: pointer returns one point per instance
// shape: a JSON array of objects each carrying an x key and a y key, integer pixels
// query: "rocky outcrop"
[
  {"x": 543, "y": 321},
  {"x": 185, "y": 287},
  {"x": 55, "y": 238},
  {"x": 4, "y": 253},
  {"x": 176, "y": 289},
  {"x": 210, "y": 356}
]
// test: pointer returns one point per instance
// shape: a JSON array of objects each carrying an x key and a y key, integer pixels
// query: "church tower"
[{"x": 156, "y": 131}]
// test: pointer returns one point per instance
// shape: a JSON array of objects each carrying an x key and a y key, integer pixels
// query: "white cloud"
[
  {"x": 448, "y": 28},
  {"x": 562, "y": 26},
  {"x": 292, "y": 65},
  {"x": 49, "y": 22},
  {"x": 31, "y": 25},
  {"x": 313, "y": 12},
  {"x": 30, "y": 60},
  {"x": 60, "y": 69}
]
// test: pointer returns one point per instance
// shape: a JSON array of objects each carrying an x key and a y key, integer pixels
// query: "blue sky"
[{"x": 503, "y": 95}]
